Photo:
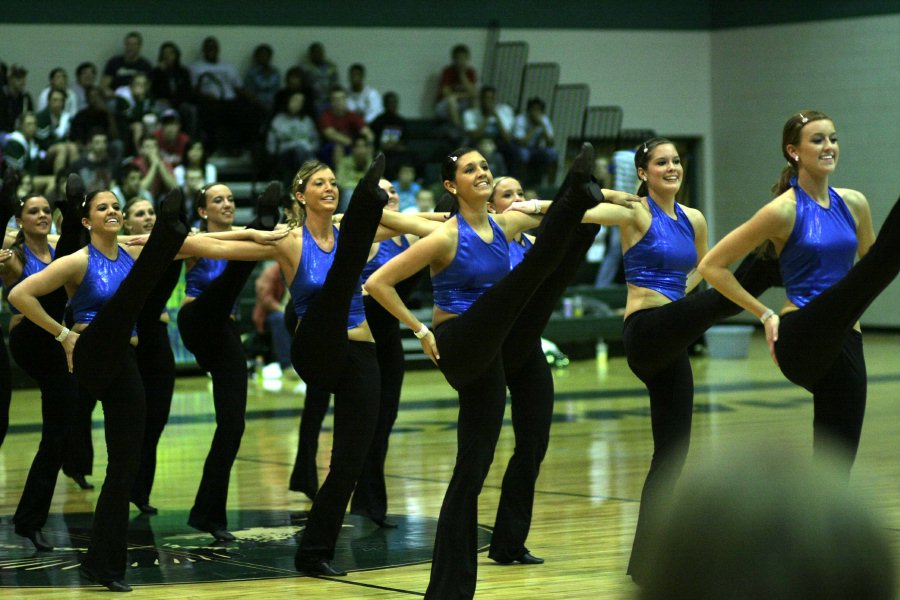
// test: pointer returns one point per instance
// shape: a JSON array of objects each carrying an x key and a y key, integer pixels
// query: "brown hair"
[
  {"x": 16, "y": 246},
  {"x": 790, "y": 135},
  {"x": 642, "y": 158}
]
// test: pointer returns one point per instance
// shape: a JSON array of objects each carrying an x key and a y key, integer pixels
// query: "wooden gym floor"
[{"x": 585, "y": 507}]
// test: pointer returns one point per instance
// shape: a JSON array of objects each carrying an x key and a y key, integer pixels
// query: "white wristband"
[
  {"x": 422, "y": 332},
  {"x": 766, "y": 315},
  {"x": 63, "y": 335},
  {"x": 536, "y": 206}
]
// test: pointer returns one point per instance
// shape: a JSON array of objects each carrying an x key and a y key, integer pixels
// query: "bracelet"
[
  {"x": 422, "y": 332},
  {"x": 766, "y": 315},
  {"x": 62, "y": 335},
  {"x": 535, "y": 207}
]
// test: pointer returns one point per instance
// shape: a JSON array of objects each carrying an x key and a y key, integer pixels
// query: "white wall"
[{"x": 849, "y": 69}]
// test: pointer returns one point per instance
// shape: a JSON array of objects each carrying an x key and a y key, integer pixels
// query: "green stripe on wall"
[{"x": 550, "y": 14}]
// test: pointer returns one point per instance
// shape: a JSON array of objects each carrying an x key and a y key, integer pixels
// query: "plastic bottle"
[
  {"x": 602, "y": 355},
  {"x": 578, "y": 307}
]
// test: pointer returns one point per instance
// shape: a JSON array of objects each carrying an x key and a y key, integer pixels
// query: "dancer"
[
  {"x": 333, "y": 347},
  {"x": 817, "y": 231},
  {"x": 8, "y": 187},
  {"x": 155, "y": 359},
  {"x": 107, "y": 288},
  {"x": 662, "y": 242},
  {"x": 210, "y": 333},
  {"x": 477, "y": 302}
]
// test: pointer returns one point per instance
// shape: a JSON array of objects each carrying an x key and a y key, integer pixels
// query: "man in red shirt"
[
  {"x": 339, "y": 125},
  {"x": 457, "y": 87}
]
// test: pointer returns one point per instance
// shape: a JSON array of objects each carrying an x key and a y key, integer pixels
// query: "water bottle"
[
  {"x": 602, "y": 355},
  {"x": 578, "y": 307},
  {"x": 258, "y": 365}
]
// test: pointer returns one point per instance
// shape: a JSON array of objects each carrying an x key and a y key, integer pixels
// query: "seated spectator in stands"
[
  {"x": 294, "y": 81},
  {"x": 59, "y": 80},
  {"x": 488, "y": 150},
  {"x": 14, "y": 99},
  {"x": 120, "y": 70},
  {"x": 96, "y": 167},
  {"x": 321, "y": 74},
  {"x": 193, "y": 183},
  {"x": 268, "y": 314},
  {"x": 85, "y": 79},
  {"x": 196, "y": 158},
  {"x": 407, "y": 187},
  {"x": 263, "y": 80},
  {"x": 93, "y": 117},
  {"x": 533, "y": 132},
  {"x": 129, "y": 184},
  {"x": 493, "y": 120},
  {"x": 156, "y": 172},
  {"x": 173, "y": 142},
  {"x": 170, "y": 86},
  {"x": 457, "y": 87},
  {"x": 21, "y": 149},
  {"x": 389, "y": 129},
  {"x": 134, "y": 112},
  {"x": 292, "y": 138},
  {"x": 362, "y": 99},
  {"x": 424, "y": 202},
  {"x": 52, "y": 135},
  {"x": 339, "y": 126},
  {"x": 227, "y": 113},
  {"x": 351, "y": 168}
]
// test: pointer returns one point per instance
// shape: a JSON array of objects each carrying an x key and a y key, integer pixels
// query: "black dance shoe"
[
  {"x": 526, "y": 558},
  {"x": 268, "y": 207},
  {"x": 385, "y": 524},
  {"x": 113, "y": 585},
  {"x": 171, "y": 209},
  {"x": 221, "y": 534},
  {"x": 75, "y": 195},
  {"x": 37, "y": 538},
  {"x": 146, "y": 508},
  {"x": 368, "y": 191},
  {"x": 82, "y": 482},
  {"x": 321, "y": 568}
]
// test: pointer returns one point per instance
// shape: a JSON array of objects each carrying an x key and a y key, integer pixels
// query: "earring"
[
  {"x": 643, "y": 179},
  {"x": 796, "y": 157},
  {"x": 89, "y": 228}
]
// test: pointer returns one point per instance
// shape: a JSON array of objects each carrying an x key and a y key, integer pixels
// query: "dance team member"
[
  {"x": 107, "y": 288},
  {"x": 477, "y": 301},
  {"x": 817, "y": 231}
]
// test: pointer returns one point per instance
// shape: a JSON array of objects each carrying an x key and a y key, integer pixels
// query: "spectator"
[
  {"x": 351, "y": 168},
  {"x": 625, "y": 178},
  {"x": 14, "y": 100},
  {"x": 85, "y": 79},
  {"x": 170, "y": 86},
  {"x": 407, "y": 187},
  {"x": 120, "y": 70},
  {"x": 268, "y": 315},
  {"x": 493, "y": 120},
  {"x": 424, "y": 202},
  {"x": 21, "y": 149},
  {"x": 196, "y": 158},
  {"x": 156, "y": 172},
  {"x": 766, "y": 524},
  {"x": 389, "y": 129},
  {"x": 339, "y": 126},
  {"x": 129, "y": 184},
  {"x": 457, "y": 86},
  {"x": 294, "y": 82},
  {"x": 173, "y": 142},
  {"x": 321, "y": 74},
  {"x": 263, "y": 80},
  {"x": 226, "y": 113},
  {"x": 97, "y": 116},
  {"x": 361, "y": 98},
  {"x": 292, "y": 138},
  {"x": 52, "y": 134},
  {"x": 134, "y": 111},
  {"x": 59, "y": 80},
  {"x": 96, "y": 167},
  {"x": 533, "y": 132}
]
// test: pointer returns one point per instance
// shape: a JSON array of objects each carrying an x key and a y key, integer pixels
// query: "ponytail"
[{"x": 784, "y": 182}]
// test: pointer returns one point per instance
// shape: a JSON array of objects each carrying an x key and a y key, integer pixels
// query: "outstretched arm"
[{"x": 405, "y": 223}]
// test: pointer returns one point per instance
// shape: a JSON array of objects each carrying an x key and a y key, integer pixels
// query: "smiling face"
[
  {"x": 139, "y": 217},
  {"x": 218, "y": 210},
  {"x": 393, "y": 202},
  {"x": 663, "y": 172},
  {"x": 320, "y": 193},
  {"x": 817, "y": 152},
  {"x": 36, "y": 216},
  {"x": 105, "y": 214},
  {"x": 473, "y": 179},
  {"x": 506, "y": 191}
]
